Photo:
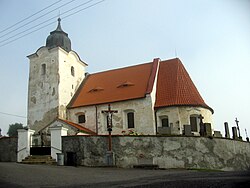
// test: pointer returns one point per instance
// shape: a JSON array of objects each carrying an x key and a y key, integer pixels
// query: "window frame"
[
  {"x": 72, "y": 70},
  {"x": 130, "y": 122},
  {"x": 79, "y": 116},
  {"x": 43, "y": 69},
  {"x": 194, "y": 128}
]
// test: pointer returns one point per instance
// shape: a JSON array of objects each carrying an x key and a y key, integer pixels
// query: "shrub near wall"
[
  {"x": 8, "y": 149},
  {"x": 167, "y": 152}
]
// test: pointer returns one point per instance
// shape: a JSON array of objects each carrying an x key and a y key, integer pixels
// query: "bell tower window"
[
  {"x": 72, "y": 71},
  {"x": 43, "y": 69}
]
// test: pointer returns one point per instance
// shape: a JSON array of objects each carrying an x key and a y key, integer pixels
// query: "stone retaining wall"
[
  {"x": 8, "y": 149},
  {"x": 167, "y": 152}
]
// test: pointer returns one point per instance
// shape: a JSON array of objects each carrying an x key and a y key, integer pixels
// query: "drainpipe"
[
  {"x": 156, "y": 129},
  {"x": 96, "y": 121}
]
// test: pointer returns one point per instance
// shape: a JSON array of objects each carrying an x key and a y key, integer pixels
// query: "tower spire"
[{"x": 59, "y": 28}]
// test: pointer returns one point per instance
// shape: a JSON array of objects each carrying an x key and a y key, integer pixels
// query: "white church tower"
[{"x": 54, "y": 76}]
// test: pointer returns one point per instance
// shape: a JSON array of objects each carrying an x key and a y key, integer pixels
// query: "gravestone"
[
  {"x": 208, "y": 129},
  {"x": 227, "y": 134},
  {"x": 164, "y": 130},
  {"x": 235, "y": 136},
  {"x": 187, "y": 130},
  {"x": 202, "y": 130},
  {"x": 217, "y": 134}
]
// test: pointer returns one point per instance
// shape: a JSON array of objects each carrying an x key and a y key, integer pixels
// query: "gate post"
[
  {"x": 24, "y": 143},
  {"x": 56, "y": 140}
]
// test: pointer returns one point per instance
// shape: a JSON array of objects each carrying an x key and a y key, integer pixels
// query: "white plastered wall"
[
  {"x": 179, "y": 116},
  {"x": 143, "y": 116},
  {"x": 49, "y": 93}
]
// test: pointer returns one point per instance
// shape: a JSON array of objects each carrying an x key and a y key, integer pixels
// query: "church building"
[{"x": 155, "y": 97}]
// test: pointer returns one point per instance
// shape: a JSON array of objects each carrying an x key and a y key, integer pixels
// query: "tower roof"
[{"x": 58, "y": 38}]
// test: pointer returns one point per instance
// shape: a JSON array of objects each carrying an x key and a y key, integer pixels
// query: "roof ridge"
[
  {"x": 120, "y": 68},
  {"x": 151, "y": 80}
]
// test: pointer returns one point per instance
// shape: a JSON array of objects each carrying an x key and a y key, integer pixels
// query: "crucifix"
[
  {"x": 109, "y": 113},
  {"x": 237, "y": 123}
]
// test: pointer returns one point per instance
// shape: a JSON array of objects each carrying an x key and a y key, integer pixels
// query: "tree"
[{"x": 13, "y": 129}]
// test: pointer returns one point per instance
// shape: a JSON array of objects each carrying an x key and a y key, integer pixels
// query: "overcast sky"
[{"x": 211, "y": 37}]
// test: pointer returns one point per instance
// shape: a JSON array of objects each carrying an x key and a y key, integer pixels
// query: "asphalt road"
[{"x": 20, "y": 175}]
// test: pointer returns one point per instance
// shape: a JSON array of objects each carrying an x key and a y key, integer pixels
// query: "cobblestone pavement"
[{"x": 20, "y": 175}]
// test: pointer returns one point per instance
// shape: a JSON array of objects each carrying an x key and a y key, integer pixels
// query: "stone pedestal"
[
  {"x": 217, "y": 134},
  {"x": 56, "y": 140},
  {"x": 202, "y": 129},
  {"x": 24, "y": 143},
  {"x": 227, "y": 134},
  {"x": 110, "y": 158},
  {"x": 208, "y": 129}
]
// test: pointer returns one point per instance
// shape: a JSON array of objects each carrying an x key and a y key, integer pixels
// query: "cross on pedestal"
[
  {"x": 201, "y": 119},
  {"x": 109, "y": 113},
  {"x": 237, "y": 124}
]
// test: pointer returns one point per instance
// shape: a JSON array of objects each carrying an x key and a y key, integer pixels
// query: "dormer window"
[
  {"x": 125, "y": 84},
  {"x": 96, "y": 89}
]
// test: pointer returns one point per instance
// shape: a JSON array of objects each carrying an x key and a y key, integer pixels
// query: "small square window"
[{"x": 81, "y": 118}]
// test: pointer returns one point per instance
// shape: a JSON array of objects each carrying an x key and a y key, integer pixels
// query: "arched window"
[
  {"x": 72, "y": 71},
  {"x": 81, "y": 118},
  {"x": 164, "y": 122},
  {"x": 130, "y": 120},
  {"x": 194, "y": 122},
  {"x": 43, "y": 69}
]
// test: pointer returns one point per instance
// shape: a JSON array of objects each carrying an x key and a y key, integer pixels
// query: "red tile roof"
[
  {"x": 79, "y": 127},
  {"x": 175, "y": 87},
  {"x": 116, "y": 85}
]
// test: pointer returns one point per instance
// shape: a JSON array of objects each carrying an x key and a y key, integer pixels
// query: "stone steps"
[{"x": 39, "y": 159}]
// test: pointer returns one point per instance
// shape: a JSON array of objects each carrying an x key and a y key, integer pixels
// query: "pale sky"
[{"x": 211, "y": 37}]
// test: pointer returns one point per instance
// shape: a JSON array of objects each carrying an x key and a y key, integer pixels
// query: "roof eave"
[{"x": 189, "y": 105}]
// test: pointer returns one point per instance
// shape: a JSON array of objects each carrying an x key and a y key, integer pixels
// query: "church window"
[
  {"x": 81, "y": 118},
  {"x": 165, "y": 122},
  {"x": 72, "y": 71},
  {"x": 43, "y": 69},
  {"x": 130, "y": 119},
  {"x": 194, "y": 122}
]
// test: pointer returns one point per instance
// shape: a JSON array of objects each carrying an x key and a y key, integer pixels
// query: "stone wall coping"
[
  {"x": 160, "y": 136},
  {"x": 8, "y": 137}
]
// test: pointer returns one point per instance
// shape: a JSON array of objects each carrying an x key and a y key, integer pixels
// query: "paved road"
[{"x": 20, "y": 175}]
